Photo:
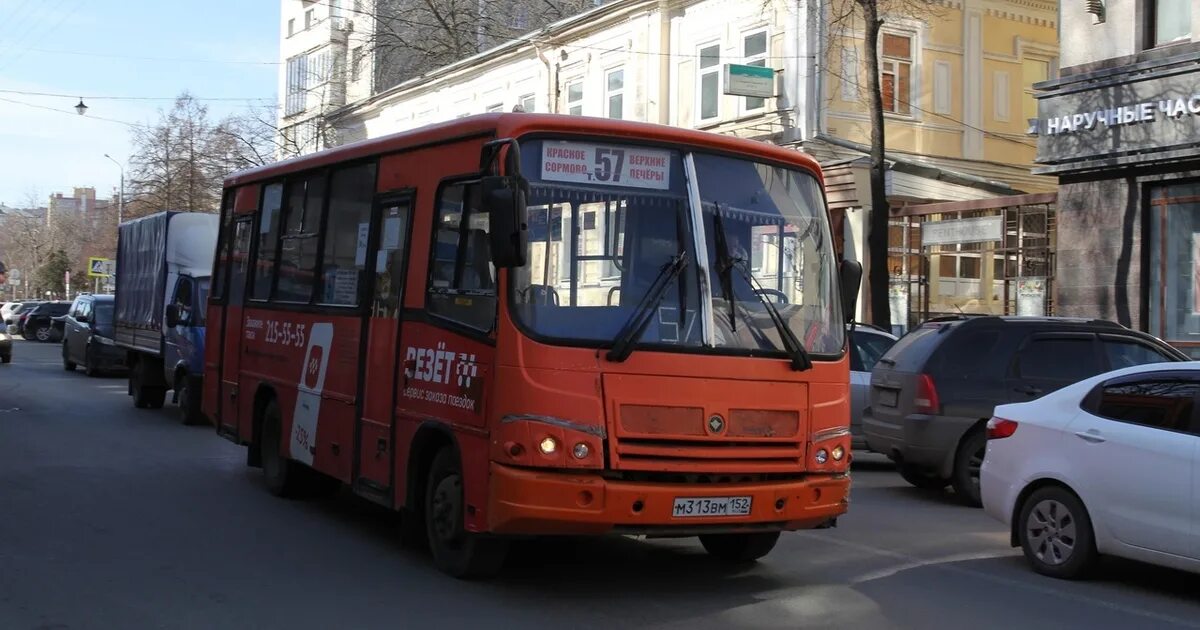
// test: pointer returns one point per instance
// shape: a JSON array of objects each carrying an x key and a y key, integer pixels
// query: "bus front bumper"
[{"x": 524, "y": 501}]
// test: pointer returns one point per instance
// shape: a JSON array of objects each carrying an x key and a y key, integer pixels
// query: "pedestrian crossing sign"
[{"x": 100, "y": 267}]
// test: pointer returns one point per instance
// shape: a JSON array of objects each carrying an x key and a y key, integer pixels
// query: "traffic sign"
[{"x": 100, "y": 267}]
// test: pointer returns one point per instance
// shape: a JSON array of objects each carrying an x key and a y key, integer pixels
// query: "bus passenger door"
[
  {"x": 375, "y": 433},
  {"x": 239, "y": 259}
]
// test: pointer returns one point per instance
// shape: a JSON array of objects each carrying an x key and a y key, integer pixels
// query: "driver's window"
[
  {"x": 183, "y": 298},
  {"x": 85, "y": 312}
]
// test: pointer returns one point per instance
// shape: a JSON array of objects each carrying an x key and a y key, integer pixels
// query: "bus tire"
[
  {"x": 284, "y": 477},
  {"x": 739, "y": 548},
  {"x": 456, "y": 552}
]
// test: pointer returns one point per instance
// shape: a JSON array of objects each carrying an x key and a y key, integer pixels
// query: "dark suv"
[
  {"x": 40, "y": 322},
  {"x": 934, "y": 391},
  {"x": 88, "y": 335}
]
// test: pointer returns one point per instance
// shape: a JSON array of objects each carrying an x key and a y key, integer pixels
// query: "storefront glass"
[{"x": 1175, "y": 265}]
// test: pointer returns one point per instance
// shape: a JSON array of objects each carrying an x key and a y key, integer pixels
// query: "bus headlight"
[
  {"x": 544, "y": 442},
  {"x": 548, "y": 445},
  {"x": 581, "y": 450}
]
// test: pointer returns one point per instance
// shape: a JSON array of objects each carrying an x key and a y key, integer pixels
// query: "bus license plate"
[{"x": 686, "y": 507}]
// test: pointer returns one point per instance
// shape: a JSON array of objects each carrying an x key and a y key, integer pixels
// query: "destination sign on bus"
[{"x": 609, "y": 165}]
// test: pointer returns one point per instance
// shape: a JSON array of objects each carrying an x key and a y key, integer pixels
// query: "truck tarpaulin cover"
[{"x": 141, "y": 271}]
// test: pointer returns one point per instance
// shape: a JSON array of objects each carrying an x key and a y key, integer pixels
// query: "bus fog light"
[
  {"x": 548, "y": 445},
  {"x": 581, "y": 450},
  {"x": 838, "y": 453},
  {"x": 822, "y": 456}
]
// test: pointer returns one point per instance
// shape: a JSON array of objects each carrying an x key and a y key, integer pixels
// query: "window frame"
[
  {"x": 582, "y": 96},
  {"x": 913, "y": 71},
  {"x": 701, "y": 72},
  {"x": 1150, "y": 27},
  {"x": 290, "y": 180},
  {"x": 372, "y": 237},
  {"x": 256, "y": 246},
  {"x": 750, "y": 60},
  {"x": 438, "y": 319},
  {"x": 610, "y": 93},
  {"x": 530, "y": 98}
]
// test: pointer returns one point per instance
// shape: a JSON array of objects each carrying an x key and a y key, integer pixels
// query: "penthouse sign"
[{"x": 1145, "y": 112}]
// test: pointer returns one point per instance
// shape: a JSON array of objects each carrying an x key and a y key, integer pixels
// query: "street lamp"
[
  {"x": 121, "y": 200},
  {"x": 81, "y": 108}
]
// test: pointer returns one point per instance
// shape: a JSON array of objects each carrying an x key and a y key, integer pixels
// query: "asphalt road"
[{"x": 114, "y": 517}]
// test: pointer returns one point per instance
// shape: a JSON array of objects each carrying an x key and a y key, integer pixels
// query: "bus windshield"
[{"x": 605, "y": 220}]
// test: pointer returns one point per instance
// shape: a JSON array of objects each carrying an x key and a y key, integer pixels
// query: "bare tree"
[{"x": 846, "y": 19}]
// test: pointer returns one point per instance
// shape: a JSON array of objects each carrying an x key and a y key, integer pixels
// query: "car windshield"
[{"x": 605, "y": 221}]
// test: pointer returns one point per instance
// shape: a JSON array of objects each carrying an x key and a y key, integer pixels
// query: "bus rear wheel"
[
  {"x": 456, "y": 551},
  {"x": 739, "y": 548}
]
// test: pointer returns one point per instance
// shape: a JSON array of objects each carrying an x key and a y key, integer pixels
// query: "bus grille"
[{"x": 688, "y": 440}]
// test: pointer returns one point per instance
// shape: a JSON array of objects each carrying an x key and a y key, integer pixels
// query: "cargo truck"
[{"x": 164, "y": 263}]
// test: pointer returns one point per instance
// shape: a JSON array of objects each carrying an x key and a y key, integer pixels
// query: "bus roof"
[{"x": 518, "y": 124}]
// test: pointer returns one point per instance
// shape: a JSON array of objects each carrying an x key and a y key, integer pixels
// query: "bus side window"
[
  {"x": 462, "y": 281},
  {"x": 268, "y": 241}
]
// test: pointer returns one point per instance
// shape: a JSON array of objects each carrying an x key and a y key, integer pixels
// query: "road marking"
[{"x": 918, "y": 562}]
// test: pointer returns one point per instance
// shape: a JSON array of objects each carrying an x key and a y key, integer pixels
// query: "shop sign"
[
  {"x": 977, "y": 230},
  {"x": 742, "y": 80},
  {"x": 1145, "y": 112}
]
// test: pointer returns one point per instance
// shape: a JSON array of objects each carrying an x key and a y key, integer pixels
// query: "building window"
[
  {"x": 710, "y": 82},
  {"x": 529, "y": 103},
  {"x": 348, "y": 234},
  {"x": 1000, "y": 96},
  {"x": 496, "y": 107},
  {"x": 614, "y": 91},
  {"x": 308, "y": 19},
  {"x": 297, "y": 73},
  {"x": 291, "y": 27},
  {"x": 1171, "y": 21},
  {"x": 1175, "y": 278},
  {"x": 754, "y": 53},
  {"x": 1033, "y": 71},
  {"x": 895, "y": 71},
  {"x": 575, "y": 98},
  {"x": 462, "y": 281}
]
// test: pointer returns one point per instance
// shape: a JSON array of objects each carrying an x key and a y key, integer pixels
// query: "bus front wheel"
[
  {"x": 456, "y": 551},
  {"x": 739, "y": 548}
]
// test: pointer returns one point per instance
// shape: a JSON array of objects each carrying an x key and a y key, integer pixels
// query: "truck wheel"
[
  {"x": 739, "y": 548},
  {"x": 68, "y": 364},
  {"x": 456, "y": 551},
  {"x": 284, "y": 477},
  {"x": 145, "y": 396},
  {"x": 189, "y": 403}
]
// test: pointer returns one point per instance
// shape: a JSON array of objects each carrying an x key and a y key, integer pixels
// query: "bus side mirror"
[
  {"x": 851, "y": 277},
  {"x": 504, "y": 200},
  {"x": 172, "y": 315}
]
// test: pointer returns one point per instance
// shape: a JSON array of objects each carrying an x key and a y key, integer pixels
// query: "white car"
[{"x": 1105, "y": 466}]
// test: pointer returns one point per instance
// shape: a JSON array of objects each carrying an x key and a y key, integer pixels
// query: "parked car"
[
  {"x": 8, "y": 309},
  {"x": 19, "y": 314},
  {"x": 934, "y": 391},
  {"x": 6, "y": 346},
  {"x": 39, "y": 322},
  {"x": 867, "y": 344},
  {"x": 88, "y": 336},
  {"x": 1105, "y": 466}
]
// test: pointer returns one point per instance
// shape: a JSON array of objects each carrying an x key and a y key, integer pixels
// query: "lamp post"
[{"x": 121, "y": 200}]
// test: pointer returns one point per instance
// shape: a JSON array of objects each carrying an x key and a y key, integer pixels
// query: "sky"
[{"x": 152, "y": 49}]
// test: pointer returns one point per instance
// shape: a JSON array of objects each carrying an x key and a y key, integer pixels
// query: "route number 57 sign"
[{"x": 606, "y": 165}]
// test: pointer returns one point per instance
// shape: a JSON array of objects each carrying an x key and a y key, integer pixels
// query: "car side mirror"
[
  {"x": 503, "y": 198},
  {"x": 851, "y": 272},
  {"x": 173, "y": 315}
]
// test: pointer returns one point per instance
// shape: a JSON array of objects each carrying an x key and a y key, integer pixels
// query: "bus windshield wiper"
[
  {"x": 727, "y": 262},
  {"x": 644, "y": 311}
]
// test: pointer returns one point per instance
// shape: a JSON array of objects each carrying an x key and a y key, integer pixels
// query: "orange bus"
[{"x": 519, "y": 324}]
